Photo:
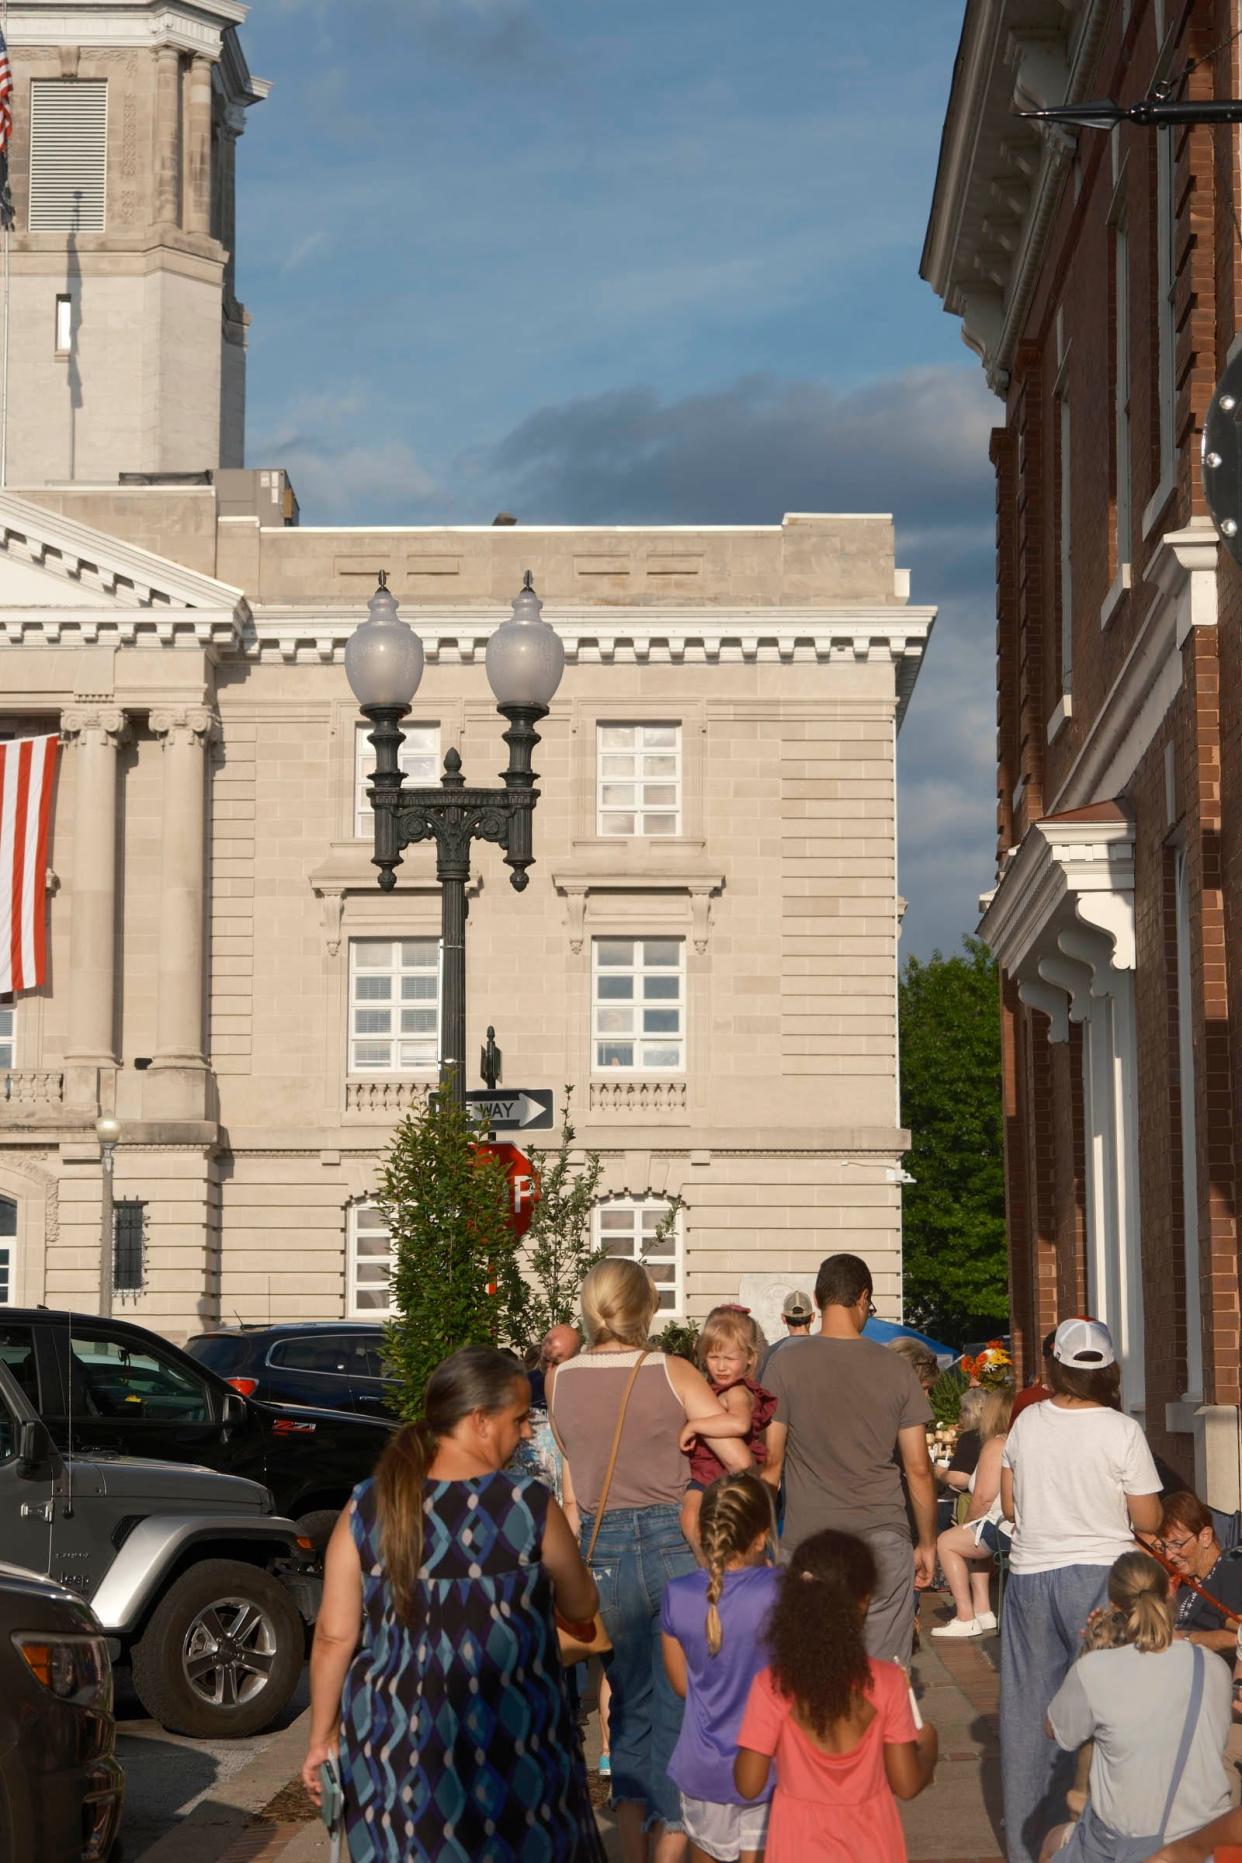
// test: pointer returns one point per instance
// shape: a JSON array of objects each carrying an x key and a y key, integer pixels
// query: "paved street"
[{"x": 167, "y": 1776}]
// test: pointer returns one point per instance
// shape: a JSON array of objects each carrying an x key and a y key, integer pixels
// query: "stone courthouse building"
[
  {"x": 1098, "y": 275},
  {"x": 707, "y": 949}
]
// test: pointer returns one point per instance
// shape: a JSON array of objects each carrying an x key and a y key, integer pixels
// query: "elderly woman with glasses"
[{"x": 1188, "y": 1538}]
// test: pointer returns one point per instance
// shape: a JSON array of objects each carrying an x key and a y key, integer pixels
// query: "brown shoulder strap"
[{"x": 612, "y": 1459}]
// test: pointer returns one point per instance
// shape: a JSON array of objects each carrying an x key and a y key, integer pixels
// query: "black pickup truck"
[{"x": 105, "y": 1385}]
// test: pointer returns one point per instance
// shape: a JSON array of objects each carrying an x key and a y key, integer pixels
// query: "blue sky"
[{"x": 648, "y": 263}]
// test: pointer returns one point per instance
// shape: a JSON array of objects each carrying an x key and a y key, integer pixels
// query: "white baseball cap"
[{"x": 1085, "y": 1344}]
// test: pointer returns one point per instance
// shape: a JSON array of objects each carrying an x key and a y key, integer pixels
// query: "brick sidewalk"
[{"x": 957, "y": 1819}]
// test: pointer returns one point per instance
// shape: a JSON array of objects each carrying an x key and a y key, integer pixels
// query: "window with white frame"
[
  {"x": 394, "y": 1005},
  {"x": 638, "y": 1011},
  {"x": 649, "y": 1230},
  {"x": 1121, "y": 388},
  {"x": 419, "y": 758},
  {"x": 371, "y": 1262},
  {"x": 8, "y": 1032},
  {"x": 638, "y": 779},
  {"x": 8, "y": 1250}
]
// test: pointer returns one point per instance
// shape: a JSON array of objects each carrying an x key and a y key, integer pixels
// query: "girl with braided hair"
[
  {"x": 713, "y": 1625},
  {"x": 836, "y": 1725}
]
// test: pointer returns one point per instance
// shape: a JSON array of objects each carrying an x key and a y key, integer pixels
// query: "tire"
[
  {"x": 318, "y": 1525},
  {"x": 264, "y": 1644}
]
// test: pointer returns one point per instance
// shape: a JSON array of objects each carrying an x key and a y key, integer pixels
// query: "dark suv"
[
  {"x": 339, "y": 1363},
  {"x": 60, "y": 1784},
  {"x": 106, "y": 1384}
]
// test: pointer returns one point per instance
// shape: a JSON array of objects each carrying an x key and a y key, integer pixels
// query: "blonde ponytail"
[
  {"x": 1139, "y": 1612},
  {"x": 736, "y": 1510}
]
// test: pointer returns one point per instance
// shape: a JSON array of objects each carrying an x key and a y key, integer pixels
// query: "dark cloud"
[{"x": 915, "y": 444}]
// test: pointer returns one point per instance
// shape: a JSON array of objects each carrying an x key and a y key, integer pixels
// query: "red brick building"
[{"x": 1098, "y": 275}]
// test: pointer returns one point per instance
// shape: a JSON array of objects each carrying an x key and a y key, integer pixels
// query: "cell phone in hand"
[{"x": 332, "y": 1800}]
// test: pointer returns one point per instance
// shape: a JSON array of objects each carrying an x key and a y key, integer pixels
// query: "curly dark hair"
[{"x": 815, "y": 1635}]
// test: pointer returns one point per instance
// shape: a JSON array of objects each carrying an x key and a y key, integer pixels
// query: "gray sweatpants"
[{"x": 1041, "y": 1634}]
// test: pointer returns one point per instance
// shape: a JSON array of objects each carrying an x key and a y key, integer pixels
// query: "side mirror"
[
  {"x": 34, "y": 1447},
  {"x": 232, "y": 1412}
]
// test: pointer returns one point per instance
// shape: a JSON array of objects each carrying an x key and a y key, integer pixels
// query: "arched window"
[{"x": 8, "y": 1250}]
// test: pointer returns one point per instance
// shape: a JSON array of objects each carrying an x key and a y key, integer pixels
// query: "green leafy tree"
[
  {"x": 457, "y": 1280},
  {"x": 956, "y": 1267},
  {"x": 559, "y": 1251}
]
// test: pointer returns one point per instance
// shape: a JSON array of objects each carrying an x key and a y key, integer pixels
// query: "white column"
[
  {"x": 95, "y": 737},
  {"x": 197, "y": 183},
  {"x": 180, "y": 984}
]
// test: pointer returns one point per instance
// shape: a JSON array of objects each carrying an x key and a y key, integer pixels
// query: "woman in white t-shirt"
[
  {"x": 1159, "y": 1713},
  {"x": 1077, "y": 1478}
]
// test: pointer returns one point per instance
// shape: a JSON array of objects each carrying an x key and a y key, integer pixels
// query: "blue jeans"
[
  {"x": 638, "y": 1550},
  {"x": 1041, "y": 1634}
]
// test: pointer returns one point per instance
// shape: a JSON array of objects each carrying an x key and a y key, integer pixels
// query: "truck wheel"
[
  {"x": 222, "y": 1653},
  {"x": 317, "y": 1526}
]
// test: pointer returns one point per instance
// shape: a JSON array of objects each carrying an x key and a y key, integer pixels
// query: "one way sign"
[{"x": 522, "y": 1109}]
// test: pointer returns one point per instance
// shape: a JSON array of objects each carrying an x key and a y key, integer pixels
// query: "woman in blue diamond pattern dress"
[{"x": 435, "y": 1673}]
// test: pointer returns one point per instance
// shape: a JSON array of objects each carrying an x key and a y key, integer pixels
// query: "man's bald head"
[{"x": 560, "y": 1343}]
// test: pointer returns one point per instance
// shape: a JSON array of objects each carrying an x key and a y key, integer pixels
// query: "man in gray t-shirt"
[{"x": 844, "y": 1405}]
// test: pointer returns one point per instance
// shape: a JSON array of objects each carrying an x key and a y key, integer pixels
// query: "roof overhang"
[{"x": 999, "y": 177}]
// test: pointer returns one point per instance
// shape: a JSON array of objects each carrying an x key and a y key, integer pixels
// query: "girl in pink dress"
[{"x": 839, "y": 1728}]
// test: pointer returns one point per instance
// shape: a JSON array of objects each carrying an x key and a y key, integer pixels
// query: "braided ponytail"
[{"x": 736, "y": 1510}]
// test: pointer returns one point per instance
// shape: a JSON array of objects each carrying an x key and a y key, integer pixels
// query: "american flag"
[
  {"x": 6, "y": 134},
  {"x": 27, "y": 775},
  {"x": 6, "y": 97}
]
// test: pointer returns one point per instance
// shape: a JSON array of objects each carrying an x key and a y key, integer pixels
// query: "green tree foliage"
[
  {"x": 448, "y": 1215},
  {"x": 956, "y": 1270},
  {"x": 559, "y": 1251}
]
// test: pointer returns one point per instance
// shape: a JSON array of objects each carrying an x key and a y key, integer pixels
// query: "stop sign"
[{"x": 522, "y": 1179}]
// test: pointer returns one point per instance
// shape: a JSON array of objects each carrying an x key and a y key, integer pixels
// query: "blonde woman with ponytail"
[
  {"x": 435, "y": 1675},
  {"x": 1159, "y": 1711},
  {"x": 713, "y": 1624}
]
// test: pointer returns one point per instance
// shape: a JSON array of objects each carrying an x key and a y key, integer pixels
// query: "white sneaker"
[
  {"x": 986, "y": 1620},
  {"x": 959, "y": 1629}
]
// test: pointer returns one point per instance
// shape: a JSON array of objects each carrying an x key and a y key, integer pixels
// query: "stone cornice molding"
[
  {"x": 105, "y": 724},
  {"x": 1182, "y": 572},
  {"x": 649, "y": 875},
  {"x": 891, "y": 634},
  {"x": 999, "y": 178},
  {"x": 103, "y": 25},
  {"x": 187, "y": 723},
  {"x": 150, "y": 593},
  {"x": 1062, "y": 917}
]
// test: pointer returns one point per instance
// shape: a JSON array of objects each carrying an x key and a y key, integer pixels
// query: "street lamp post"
[
  {"x": 384, "y": 662},
  {"x": 108, "y": 1132}
]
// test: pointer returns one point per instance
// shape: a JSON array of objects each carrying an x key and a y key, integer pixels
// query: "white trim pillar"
[
  {"x": 179, "y": 1065},
  {"x": 96, "y": 736}
]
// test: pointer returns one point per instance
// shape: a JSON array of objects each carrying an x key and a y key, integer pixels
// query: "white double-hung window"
[
  {"x": 394, "y": 1005},
  {"x": 371, "y": 1262},
  {"x": 638, "y": 782},
  {"x": 419, "y": 757},
  {"x": 638, "y": 1012},
  {"x": 8, "y": 1033},
  {"x": 646, "y": 1229}
]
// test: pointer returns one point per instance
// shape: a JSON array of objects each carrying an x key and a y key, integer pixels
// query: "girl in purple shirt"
[{"x": 713, "y": 1625}]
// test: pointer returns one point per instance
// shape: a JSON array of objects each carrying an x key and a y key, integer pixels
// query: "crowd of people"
[{"x": 743, "y": 1543}]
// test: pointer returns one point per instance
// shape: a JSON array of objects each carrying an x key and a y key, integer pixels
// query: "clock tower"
[{"x": 126, "y": 339}]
